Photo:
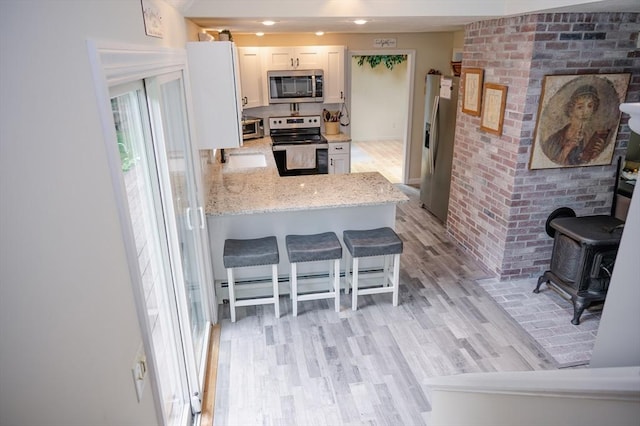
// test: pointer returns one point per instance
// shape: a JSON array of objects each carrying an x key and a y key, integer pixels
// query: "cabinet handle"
[
  {"x": 338, "y": 148},
  {"x": 341, "y": 94},
  {"x": 201, "y": 211},
  {"x": 187, "y": 213},
  {"x": 297, "y": 62},
  {"x": 332, "y": 161},
  {"x": 291, "y": 62}
]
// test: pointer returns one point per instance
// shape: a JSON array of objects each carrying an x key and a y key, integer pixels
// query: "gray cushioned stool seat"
[
  {"x": 258, "y": 251},
  {"x": 308, "y": 248},
  {"x": 372, "y": 242}
]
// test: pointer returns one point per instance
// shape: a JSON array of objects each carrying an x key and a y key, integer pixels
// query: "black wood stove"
[{"x": 584, "y": 252}]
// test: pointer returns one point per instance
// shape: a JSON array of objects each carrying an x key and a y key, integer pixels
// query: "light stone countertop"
[
  {"x": 262, "y": 190},
  {"x": 340, "y": 137}
]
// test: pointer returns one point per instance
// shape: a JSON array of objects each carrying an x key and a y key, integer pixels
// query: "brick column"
[{"x": 498, "y": 207}]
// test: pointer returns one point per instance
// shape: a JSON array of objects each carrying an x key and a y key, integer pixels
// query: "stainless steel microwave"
[{"x": 295, "y": 86}]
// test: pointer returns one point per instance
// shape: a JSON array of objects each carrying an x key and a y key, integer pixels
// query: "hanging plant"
[{"x": 388, "y": 60}]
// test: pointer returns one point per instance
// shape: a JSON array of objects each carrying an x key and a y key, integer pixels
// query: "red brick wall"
[{"x": 498, "y": 207}]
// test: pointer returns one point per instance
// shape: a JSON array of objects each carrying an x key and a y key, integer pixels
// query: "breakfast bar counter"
[
  {"x": 238, "y": 191},
  {"x": 253, "y": 202}
]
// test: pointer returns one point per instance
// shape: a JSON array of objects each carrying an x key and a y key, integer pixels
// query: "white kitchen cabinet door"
[
  {"x": 339, "y": 157},
  {"x": 251, "y": 76},
  {"x": 292, "y": 58},
  {"x": 334, "y": 76},
  {"x": 339, "y": 164},
  {"x": 308, "y": 58},
  {"x": 215, "y": 91},
  {"x": 278, "y": 58}
]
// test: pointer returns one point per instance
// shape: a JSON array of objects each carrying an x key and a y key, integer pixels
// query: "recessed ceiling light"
[
  {"x": 319, "y": 33},
  {"x": 268, "y": 23},
  {"x": 360, "y": 21},
  {"x": 260, "y": 34}
]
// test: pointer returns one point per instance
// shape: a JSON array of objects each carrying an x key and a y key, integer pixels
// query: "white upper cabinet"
[
  {"x": 251, "y": 76},
  {"x": 215, "y": 92},
  {"x": 293, "y": 58},
  {"x": 334, "y": 76}
]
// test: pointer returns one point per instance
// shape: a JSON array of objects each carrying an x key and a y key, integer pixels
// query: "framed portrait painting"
[
  {"x": 494, "y": 101},
  {"x": 578, "y": 118},
  {"x": 472, "y": 92}
]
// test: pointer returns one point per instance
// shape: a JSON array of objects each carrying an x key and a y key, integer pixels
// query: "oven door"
[{"x": 298, "y": 159}]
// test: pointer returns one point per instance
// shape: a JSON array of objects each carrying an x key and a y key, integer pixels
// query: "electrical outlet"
[{"x": 139, "y": 372}]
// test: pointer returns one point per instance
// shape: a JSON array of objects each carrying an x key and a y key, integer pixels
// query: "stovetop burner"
[{"x": 292, "y": 130}]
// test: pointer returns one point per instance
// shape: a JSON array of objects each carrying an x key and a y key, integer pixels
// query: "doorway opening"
[{"x": 381, "y": 100}]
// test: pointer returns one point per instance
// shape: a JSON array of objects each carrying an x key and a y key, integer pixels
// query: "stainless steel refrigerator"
[{"x": 441, "y": 102}]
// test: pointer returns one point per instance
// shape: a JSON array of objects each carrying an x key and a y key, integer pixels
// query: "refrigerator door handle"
[{"x": 433, "y": 135}]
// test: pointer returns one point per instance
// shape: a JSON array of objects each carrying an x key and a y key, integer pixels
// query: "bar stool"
[
  {"x": 251, "y": 252},
  {"x": 373, "y": 242},
  {"x": 311, "y": 248}
]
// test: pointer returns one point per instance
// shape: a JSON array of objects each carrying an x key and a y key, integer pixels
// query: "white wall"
[
  {"x": 379, "y": 98},
  {"x": 68, "y": 326}
]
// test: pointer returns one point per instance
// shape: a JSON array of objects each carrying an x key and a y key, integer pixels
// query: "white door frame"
[{"x": 406, "y": 137}]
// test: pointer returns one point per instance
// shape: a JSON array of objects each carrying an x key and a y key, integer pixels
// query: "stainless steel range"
[{"x": 298, "y": 146}]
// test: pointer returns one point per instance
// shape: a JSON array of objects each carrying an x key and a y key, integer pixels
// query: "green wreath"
[{"x": 374, "y": 60}]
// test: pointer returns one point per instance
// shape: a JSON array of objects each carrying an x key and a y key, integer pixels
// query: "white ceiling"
[{"x": 383, "y": 16}]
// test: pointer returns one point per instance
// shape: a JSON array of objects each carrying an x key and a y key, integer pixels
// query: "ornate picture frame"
[
  {"x": 472, "y": 91},
  {"x": 494, "y": 101},
  {"x": 578, "y": 119}
]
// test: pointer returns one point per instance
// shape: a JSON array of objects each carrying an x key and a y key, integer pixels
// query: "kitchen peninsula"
[{"x": 254, "y": 202}]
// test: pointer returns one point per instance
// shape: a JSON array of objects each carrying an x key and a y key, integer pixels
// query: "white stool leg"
[
  {"x": 294, "y": 288},
  {"x": 354, "y": 285},
  {"x": 396, "y": 278},
  {"x": 276, "y": 292},
  {"x": 386, "y": 272},
  {"x": 336, "y": 283},
  {"x": 347, "y": 279},
  {"x": 232, "y": 294}
]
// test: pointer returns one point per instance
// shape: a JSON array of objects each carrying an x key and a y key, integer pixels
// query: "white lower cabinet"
[{"x": 339, "y": 157}]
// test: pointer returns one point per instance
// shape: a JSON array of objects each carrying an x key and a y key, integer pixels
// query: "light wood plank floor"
[
  {"x": 369, "y": 366},
  {"x": 384, "y": 157}
]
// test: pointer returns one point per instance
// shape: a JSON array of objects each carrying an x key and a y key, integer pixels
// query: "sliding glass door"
[
  {"x": 141, "y": 182},
  {"x": 166, "y": 224},
  {"x": 171, "y": 134}
]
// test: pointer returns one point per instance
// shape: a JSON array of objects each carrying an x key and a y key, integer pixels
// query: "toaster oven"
[{"x": 252, "y": 128}]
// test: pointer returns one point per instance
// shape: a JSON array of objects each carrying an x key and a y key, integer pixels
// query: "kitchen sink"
[{"x": 246, "y": 160}]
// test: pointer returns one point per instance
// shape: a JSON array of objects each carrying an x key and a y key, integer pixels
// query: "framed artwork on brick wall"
[
  {"x": 472, "y": 92},
  {"x": 578, "y": 118},
  {"x": 494, "y": 100}
]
